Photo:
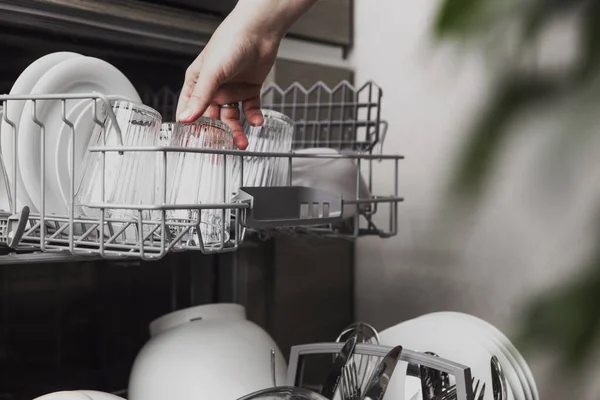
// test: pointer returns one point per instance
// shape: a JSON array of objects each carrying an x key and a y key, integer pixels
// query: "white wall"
[{"x": 521, "y": 242}]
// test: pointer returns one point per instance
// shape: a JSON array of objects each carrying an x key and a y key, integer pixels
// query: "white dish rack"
[{"x": 344, "y": 118}]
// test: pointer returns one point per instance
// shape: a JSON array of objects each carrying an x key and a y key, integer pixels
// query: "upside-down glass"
[
  {"x": 201, "y": 178},
  {"x": 127, "y": 177},
  {"x": 273, "y": 136},
  {"x": 5, "y": 197}
]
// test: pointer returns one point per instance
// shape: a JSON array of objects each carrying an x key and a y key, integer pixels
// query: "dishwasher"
[{"x": 74, "y": 289}]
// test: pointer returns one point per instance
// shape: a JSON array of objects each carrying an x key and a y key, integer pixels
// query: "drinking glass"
[
  {"x": 128, "y": 178},
  {"x": 5, "y": 197},
  {"x": 273, "y": 136},
  {"x": 201, "y": 178}
]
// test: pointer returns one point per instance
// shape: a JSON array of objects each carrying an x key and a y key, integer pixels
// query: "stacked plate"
[
  {"x": 56, "y": 73},
  {"x": 464, "y": 339}
]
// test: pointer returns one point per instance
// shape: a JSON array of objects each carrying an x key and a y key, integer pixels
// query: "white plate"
[
  {"x": 518, "y": 389},
  {"x": 23, "y": 85},
  {"x": 447, "y": 341},
  {"x": 511, "y": 353},
  {"x": 78, "y": 75}
]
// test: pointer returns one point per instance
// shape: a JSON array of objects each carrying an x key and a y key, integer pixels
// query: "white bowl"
[
  {"x": 96, "y": 395},
  {"x": 335, "y": 175},
  {"x": 64, "y": 395},
  {"x": 80, "y": 395},
  {"x": 205, "y": 352}
]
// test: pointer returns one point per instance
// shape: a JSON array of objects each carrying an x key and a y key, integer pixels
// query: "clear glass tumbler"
[
  {"x": 275, "y": 135},
  {"x": 201, "y": 178},
  {"x": 130, "y": 178}
]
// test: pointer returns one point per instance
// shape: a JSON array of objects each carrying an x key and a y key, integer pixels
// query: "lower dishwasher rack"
[{"x": 266, "y": 211}]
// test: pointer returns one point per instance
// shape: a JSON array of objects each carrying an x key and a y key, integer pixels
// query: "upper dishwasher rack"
[{"x": 336, "y": 118}]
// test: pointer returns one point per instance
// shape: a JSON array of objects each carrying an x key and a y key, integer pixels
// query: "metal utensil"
[
  {"x": 381, "y": 378},
  {"x": 433, "y": 382},
  {"x": 365, "y": 334},
  {"x": 273, "y": 368},
  {"x": 450, "y": 393},
  {"x": 335, "y": 374},
  {"x": 499, "y": 383},
  {"x": 285, "y": 393},
  {"x": 350, "y": 388}
]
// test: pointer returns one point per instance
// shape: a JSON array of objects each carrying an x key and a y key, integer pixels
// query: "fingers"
[
  {"x": 252, "y": 111},
  {"x": 231, "y": 116},
  {"x": 200, "y": 100},
  {"x": 213, "y": 111},
  {"x": 191, "y": 77}
]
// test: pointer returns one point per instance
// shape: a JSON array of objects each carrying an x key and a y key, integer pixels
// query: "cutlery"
[
  {"x": 334, "y": 376},
  {"x": 273, "y": 368},
  {"x": 450, "y": 393},
  {"x": 433, "y": 382},
  {"x": 381, "y": 378},
  {"x": 284, "y": 392},
  {"x": 499, "y": 383},
  {"x": 365, "y": 334},
  {"x": 350, "y": 388}
]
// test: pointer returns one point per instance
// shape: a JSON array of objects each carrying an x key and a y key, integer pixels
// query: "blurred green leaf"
[
  {"x": 453, "y": 15},
  {"x": 590, "y": 40},
  {"x": 567, "y": 319},
  {"x": 489, "y": 135},
  {"x": 541, "y": 12}
]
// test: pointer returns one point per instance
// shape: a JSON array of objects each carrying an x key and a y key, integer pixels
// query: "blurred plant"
[{"x": 567, "y": 318}]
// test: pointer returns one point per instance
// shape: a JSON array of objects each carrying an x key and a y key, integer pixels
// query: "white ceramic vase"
[{"x": 210, "y": 351}]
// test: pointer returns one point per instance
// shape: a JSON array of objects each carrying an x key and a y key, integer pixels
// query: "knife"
[
  {"x": 333, "y": 378},
  {"x": 382, "y": 375}
]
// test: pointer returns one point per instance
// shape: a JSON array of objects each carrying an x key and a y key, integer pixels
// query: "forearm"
[{"x": 272, "y": 17}]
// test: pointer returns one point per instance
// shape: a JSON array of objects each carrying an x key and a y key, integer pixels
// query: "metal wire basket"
[{"x": 265, "y": 210}]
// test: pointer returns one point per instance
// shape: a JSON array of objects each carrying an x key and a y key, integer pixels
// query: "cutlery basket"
[
  {"x": 343, "y": 118},
  {"x": 409, "y": 358}
]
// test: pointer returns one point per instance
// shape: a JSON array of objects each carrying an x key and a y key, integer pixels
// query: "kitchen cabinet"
[{"x": 328, "y": 21}]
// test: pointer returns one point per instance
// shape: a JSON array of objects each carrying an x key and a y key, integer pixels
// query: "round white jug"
[{"x": 210, "y": 351}]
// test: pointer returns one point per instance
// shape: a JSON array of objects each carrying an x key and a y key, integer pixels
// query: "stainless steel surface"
[
  {"x": 461, "y": 373},
  {"x": 383, "y": 374},
  {"x": 499, "y": 383},
  {"x": 130, "y": 22},
  {"x": 335, "y": 374}
]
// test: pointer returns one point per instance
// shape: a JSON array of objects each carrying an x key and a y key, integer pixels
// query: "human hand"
[
  {"x": 230, "y": 69},
  {"x": 235, "y": 62}
]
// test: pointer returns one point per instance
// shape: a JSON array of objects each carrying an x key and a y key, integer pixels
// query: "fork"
[
  {"x": 450, "y": 393},
  {"x": 350, "y": 387}
]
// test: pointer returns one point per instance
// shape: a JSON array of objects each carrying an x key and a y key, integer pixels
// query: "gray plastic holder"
[
  {"x": 12, "y": 227},
  {"x": 288, "y": 206},
  {"x": 461, "y": 373}
]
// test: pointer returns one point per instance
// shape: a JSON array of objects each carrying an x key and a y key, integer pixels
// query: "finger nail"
[{"x": 185, "y": 114}]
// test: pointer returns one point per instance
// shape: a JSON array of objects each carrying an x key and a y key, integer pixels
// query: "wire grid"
[
  {"x": 134, "y": 236},
  {"x": 344, "y": 117},
  {"x": 139, "y": 237}
]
